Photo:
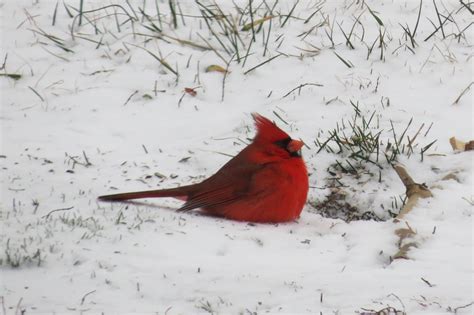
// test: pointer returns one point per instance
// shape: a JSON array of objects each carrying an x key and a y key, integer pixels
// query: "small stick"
[
  {"x": 437, "y": 28},
  {"x": 427, "y": 282},
  {"x": 81, "y": 11},
  {"x": 55, "y": 210},
  {"x": 181, "y": 99},
  {"x": 429, "y": 128},
  {"x": 276, "y": 114},
  {"x": 84, "y": 297},
  {"x": 212, "y": 48},
  {"x": 464, "y": 306},
  {"x": 37, "y": 94},
  {"x": 3, "y": 305},
  {"x": 462, "y": 93},
  {"x": 410, "y": 141},
  {"x": 472, "y": 12},
  {"x": 4, "y": 62},
  {"x": 439, "y": 19},
  {"x": 399, "y": 300},
  {"x": 128, "y": 99},
  {"x": 301, "y": 86},
  {"x": 18, "y": 306},
  {"x": 225, "y": 77},
  {"x": 86, "y": 159},
  {"x": 261, "y": 64}
]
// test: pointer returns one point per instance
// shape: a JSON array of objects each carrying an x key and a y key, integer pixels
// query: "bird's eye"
[{"x": 283, "y": 143}]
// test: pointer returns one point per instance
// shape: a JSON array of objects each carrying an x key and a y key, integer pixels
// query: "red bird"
[{"x": 266, "y": 182}]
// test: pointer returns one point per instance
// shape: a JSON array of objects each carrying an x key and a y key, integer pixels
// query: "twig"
[
  {"x": 290, "y": 13},
  {"x": 462, "y": 93},
  {"x": 82, "y": 13},
  {"x": 13, "y": 76},
  {"x": 251, "y": 20},
  {"x": 463, "y": 306},
  {"x": 15, "y": 190},
  {"x": 301, "y": 86},
  {"x": 84, "y": 297},
  {"x": 160, "y": 60},
  {"x": 18, "y": 305},
  {"x": 399, "y": 300},
  {"x": 471, "y": 202},
  {"x": 212, "y": 48},
  {"x": 261, "y": 64},
  {"x": 3, "y": 305},
  {"x": 75, "y": 161},
  {"x": 429, "y": 128},
  {"x": 225, "y": 77},
  {"x": 470, "y": 10},
  {"x": 347, "y": 63},
  {"x": 417, "y": 20},
  {"x": 173, "y": 13},
  {"x": 410, "y": 141},
  {"x": 284, "y": 121},
  {"x": 439, "y": 19},
  {"x": 427, "y": 282},
  {"x": 187, "y": 42},
  {"x": 128, "y": 99},
  {"x": 86, "y": 159},
  {"x": 2, "y": 67},
  {"x": 56, "y": 210},
  {"x": 437, "y": 28},
  {"x": 37, "y": 94}
]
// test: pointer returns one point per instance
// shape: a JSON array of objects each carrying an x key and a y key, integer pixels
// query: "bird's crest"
[{"x": 267, "y": 130}]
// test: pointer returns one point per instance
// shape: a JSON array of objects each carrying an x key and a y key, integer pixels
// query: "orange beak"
[{"x": 295, "y": 146}]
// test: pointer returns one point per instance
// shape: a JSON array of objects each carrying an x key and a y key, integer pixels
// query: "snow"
[{"x": 118, "y": 108}]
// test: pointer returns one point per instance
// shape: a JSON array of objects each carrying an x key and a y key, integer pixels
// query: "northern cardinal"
[{"x": 266, "y": 182}]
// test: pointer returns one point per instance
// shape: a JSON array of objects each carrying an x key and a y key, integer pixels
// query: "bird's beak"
[{"x": 294, "y": 147}]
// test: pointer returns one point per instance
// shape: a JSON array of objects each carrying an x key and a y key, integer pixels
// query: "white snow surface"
[{"x": 111, "y": 101}]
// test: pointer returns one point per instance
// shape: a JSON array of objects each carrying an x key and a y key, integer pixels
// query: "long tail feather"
[{"x": 178, "y": 192}]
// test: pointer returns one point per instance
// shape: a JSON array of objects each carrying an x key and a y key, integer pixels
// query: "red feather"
[{"x": 267, "y": 131}]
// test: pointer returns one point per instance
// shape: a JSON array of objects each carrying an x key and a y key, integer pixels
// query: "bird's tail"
[{"x": 178, "y": 192}]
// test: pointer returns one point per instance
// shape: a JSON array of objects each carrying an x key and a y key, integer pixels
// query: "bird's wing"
[
  {"x": 210, "y": 198},
  {"x": 226, "y": 186}
]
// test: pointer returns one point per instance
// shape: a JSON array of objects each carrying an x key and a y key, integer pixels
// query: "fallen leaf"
[
  {"x": 215, "y": 68},
  {"x": 190, "y": 91},
  {"x": 459, "y": 145}
]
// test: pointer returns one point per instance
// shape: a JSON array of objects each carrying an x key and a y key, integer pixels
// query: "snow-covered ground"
[{"x": 88, "y": 110}]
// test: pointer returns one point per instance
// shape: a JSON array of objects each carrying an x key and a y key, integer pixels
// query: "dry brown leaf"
[
  {"x": 469, "y": 146},
  {"x": 404, "y": 233},
  {"x": 403, "y": 251},
  {"x": 452, "y": 176},
  {"x": 459, "y": 145},
  {"x": 405, "y": 242},
  {"x": 215, "y": 68},
  {"x": 414, "y": 191},
  {"x": 190, "y": 91}
]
